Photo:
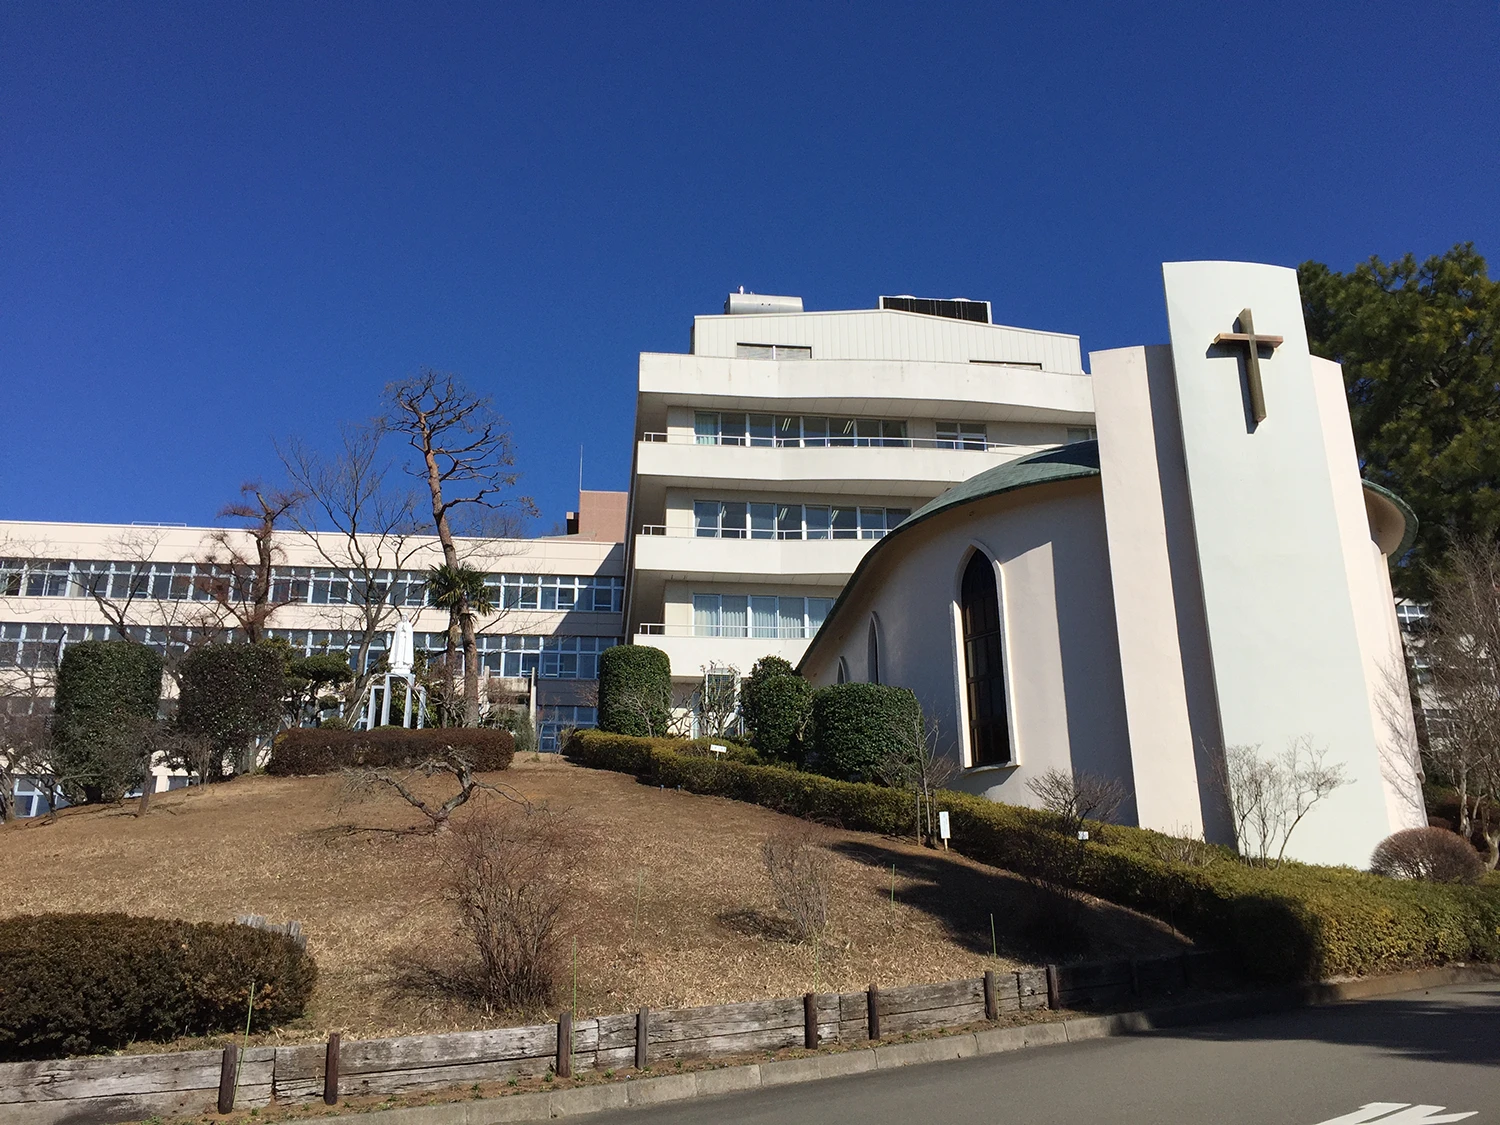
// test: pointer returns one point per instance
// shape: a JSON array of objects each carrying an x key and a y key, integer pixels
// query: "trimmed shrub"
[
  {"x": 310, "y": 750},
  {"x": 853, "y": 727},
  {"x": 774, "y": 704},
  {"x": 81, "y": 983},
  {"x": 1295, "y": 922},
  {"x": 105, "y": 690},
  {"x": 231, "y": 695},
  {"x": 1433, "y": 854},
  {"x": 635, "y": 690}
]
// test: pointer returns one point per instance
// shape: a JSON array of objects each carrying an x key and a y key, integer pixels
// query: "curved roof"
[{"x": 1076, "y": 461}]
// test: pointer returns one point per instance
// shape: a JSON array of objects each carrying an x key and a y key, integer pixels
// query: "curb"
[{"x": 636, "y": 1092}]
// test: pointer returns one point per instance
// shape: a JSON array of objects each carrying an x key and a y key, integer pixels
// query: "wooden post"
[
  {"x": 1054, "y": 989},
  {"x": 642, "y": 1026},
  {"x": 146, "y": 787},
  {"x": 991, "y": 1006},
  {"x": 331, "y": 1071},
  {"x": 810, "y": 1021},
  {"x": 227, "y": 1069},
  {"x": 872, "y": 1011},
  {"x": 564, "y": 1066}
]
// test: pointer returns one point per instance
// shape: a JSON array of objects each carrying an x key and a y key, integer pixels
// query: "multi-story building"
[
  {"x": 771, "y": 456},
  {"x": 558, "y": 601}
]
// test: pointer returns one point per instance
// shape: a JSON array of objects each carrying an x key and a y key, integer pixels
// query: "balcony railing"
[
  {"x": 766, "y": 632},
  {"x": 976, "y": 444},
  {"x": 657, "y": 529}
]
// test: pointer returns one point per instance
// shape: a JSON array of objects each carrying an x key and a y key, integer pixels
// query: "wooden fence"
[{"x": 82, "y": 1091}]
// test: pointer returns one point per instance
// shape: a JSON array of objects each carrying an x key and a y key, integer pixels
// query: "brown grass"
[{"x": 368, "y": 894}]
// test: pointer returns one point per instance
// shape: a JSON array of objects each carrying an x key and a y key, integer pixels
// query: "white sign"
[
  {"x": 1401, "y": 1113},
  {"x": 943, "y": 832},
  {"x": 715, "y": 748},
  {"x": 1083, "y": 834}
]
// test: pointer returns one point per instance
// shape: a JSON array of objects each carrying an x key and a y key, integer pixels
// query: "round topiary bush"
[
  {"x": 854, "y": 727},
  {"x": 104, "y": 690},
  {"x": 635, "y": 690},
  {"x": 774, "y": 703},
  {"x": 231, "y": 694},
  {"x": 81, "y": 983},
  {"x": 1431, "y": 854}
]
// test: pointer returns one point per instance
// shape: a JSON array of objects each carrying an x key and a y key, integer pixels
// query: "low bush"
[
  {"x": 635, "y": 690},
  {"x": 854, "y": 726},
  {"x": 1294, "y": 922},
  {"x": 310, "y": 750},
  {"x": 1433, "y": 854},
  {"x": 82, "y": 983}
]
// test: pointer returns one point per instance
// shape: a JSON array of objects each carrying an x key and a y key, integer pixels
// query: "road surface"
[{"x": 1419, "y": 1057}]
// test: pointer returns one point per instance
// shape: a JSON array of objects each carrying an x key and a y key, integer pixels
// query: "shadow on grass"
[
  {"x": 1030, "y": 922},
  {"x": 757, "y": 924}
]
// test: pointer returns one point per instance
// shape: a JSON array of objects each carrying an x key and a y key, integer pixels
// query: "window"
[
  {"x": 872, "y": 654},
  {"x": 772, "y": 351},
  {"x": 552, "y": 721},
  {"x": 1081, "y": 433},
  {"x": 961, "y": 435},
  {"x": 722, "y": 519},
  {"x": 984, "y": 664},
  {"x": 757, "y": 615},
  {"x": 551, "y": 658},
  {"x": 843, "y": 671},
  {"x": 564, "y": 592},
  {"x": 790, "y": 431}
]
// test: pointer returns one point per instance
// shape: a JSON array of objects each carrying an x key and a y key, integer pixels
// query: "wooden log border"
[{"x": 131, "y": 1087}]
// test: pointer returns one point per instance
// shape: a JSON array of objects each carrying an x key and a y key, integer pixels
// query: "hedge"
[
  {"x": 310, "y": 750},
  {"x": 1296, "y": 922},
  {"x": 774, "y": 703},
  {"x": 82, "y": 983},
  {"x": 101, "y": 687},
  {"x": 853, "y": 727},
  {"x": 635, "y": 690},
  {"x": 231, "y": 694}
]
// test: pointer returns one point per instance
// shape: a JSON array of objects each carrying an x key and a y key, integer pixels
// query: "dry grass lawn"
[{"x": 688, "y": 867}]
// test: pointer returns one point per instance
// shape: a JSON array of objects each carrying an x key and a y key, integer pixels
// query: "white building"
[
  {"x": 1211, "y": 574},
  {"x": 559, "y": 601},
  {"x": 785, "y": 443}
]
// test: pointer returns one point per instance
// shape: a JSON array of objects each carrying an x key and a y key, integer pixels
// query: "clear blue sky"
[{"x": 221, "y": 224}]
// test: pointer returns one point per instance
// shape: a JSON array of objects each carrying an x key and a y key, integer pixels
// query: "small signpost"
[
  {"x": 716, "y": 750},
  {"x": 943, "y": 833}
]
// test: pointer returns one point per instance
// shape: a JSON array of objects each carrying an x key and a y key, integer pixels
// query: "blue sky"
[{"x": 221, "y": 225}]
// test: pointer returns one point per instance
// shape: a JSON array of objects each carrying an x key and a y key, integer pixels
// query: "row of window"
[
  {"x": 712, "y": 427},
  {"x": 736, "y": 519},
  {"x": 552, "y": 721},
  {"x": 742, "y": 615},
  {"x": 203, "y": 582}
]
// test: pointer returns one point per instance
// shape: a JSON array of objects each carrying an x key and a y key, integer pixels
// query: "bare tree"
[
  {"x": 244, "y": 584},
  {"x": 364, "y": 781},
  {"x": 467, "y": 462},
  {"x": 914, "y": 762},
  {"x": 361, "y": 529},
  {"x": 717, "y": 701},
  {"x": 1077, "y": 796},
  {"x": 801, "y": 874},
  {"x": 1269, "y": 797},
  {"x": 25, "y": 732}
]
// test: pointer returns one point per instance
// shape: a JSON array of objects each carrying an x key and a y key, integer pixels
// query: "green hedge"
[
  {"x": 774, "y": 703},
  {"x": 1295, "y": 922},
  {"x": 635, "y": 690},
  {"x": 80, "y": 983},
  {"x": 231, "y": 694},
  {"x": 310, "y": 750},
  {"x": 104, "y": 688},
  {"x": 854, "y": 726}
]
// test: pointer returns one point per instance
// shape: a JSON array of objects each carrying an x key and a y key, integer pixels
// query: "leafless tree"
[
  {"x": 365, "y": 781},
  {"x": 467, "y": 461},
  {"x": 244, "y": 584},
  {"x": 1077, "y": 796},
  {"x": 361, "y": 529},
  {"x": 25, "y": 732},
  {"x": 717, "y": 700},
  {"x": 1269, "y": 797},
  {"x": 915, "y": 763},
  {"x": 801, "y": 874},
  {"x": 1462, "y": 650}
]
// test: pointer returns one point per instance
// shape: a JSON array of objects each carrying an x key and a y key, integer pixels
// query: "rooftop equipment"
[
  {"x": 741, "y": 303},
  {"x": 955, "y": 308}
]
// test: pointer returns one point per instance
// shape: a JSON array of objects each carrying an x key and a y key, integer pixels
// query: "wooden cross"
[{"x": 1252, "y": 344}]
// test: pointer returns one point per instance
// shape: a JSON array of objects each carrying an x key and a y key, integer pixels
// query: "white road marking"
[{"x": 1401, "y": 1113}]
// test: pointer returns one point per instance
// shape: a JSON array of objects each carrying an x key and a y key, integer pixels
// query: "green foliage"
[
  {"x": 635, "y": 690},
  {"x": 310, "y": 750},
  {"x": 854, "y": 727},
  {"x": 774, "y": 704},
  {"x": 1420, "y": 345},
  {"x": 80, "y": 983},
  {"x": 516, "y": 720},
  {"x": 101, "y": 687},
  {"x": 1294, "y": 922},
  {"x": 231, "y": 695}
]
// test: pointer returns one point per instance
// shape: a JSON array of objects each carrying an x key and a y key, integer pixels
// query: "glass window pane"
[
  {"x": 867, "y": 430},
  {"x": 763, "y": 617},
  {"x": 706, "y": 518},
  {"x": 789, "y": 617},
  {"x": 789, "y": 521},
  {"x": 706, "y": 427},
  {"x": 762, "y": 521},
  {"x": 871, "y": 523},
  {"x": 732, "y": 520},
  {"x": 845, "y": 523},
  {"x": 894, "y": 516},
  {"x": 893, "y": 433},
  {"x": 817, "y": 613},
  {"x": 706, "y": 615},
  {"x": 814, "y": 431},
  {"x": 732, "y": 429},
  {"x": 818, "y": 521},
  {"x": 841, "y": 431},
  {"x": 789, "y": 431},
  {"x": 762, "y": 428},
  {"x": 733, "y": 613}
]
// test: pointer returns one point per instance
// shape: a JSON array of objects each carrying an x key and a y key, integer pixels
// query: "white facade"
[{"x": 774, "y": 454}]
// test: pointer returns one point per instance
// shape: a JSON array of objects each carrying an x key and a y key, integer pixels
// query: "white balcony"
[
  {"x": 693, "y": 648},
  {"x": 678, "y": 554}
]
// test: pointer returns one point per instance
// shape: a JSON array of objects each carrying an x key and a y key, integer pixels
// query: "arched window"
[
  {"x": 843, "y": 671},
  {"x": 872, "y": 655},
  {"x": 984, "y": 664}
]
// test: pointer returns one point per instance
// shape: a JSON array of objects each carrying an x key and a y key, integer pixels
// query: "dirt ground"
[{"x": 674, "y": 906}]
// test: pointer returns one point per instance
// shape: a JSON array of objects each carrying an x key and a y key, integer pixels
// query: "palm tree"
[{"x": 460, "y": 589}]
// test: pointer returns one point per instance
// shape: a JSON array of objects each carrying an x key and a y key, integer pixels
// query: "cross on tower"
[{"x": 1252, "y": 344}]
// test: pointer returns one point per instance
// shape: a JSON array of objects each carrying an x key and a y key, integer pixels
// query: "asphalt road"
[{"x": 1419, "y": 1057}]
